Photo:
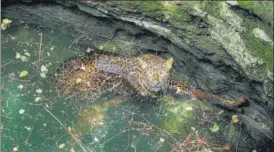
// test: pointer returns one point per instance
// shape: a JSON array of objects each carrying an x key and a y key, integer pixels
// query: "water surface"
[{"x": 37, "y": 117}]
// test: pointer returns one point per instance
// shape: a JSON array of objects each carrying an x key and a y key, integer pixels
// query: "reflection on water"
[{"x": 37, "y": 117}]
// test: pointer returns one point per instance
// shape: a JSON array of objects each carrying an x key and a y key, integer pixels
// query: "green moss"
[
  {"x": 172, "y": 10},
  {"x": 245, "y": 4},
  {"x": 257, "y": 47},
  {"x": 156, "y": 8},
  {"x": 258, "y": 8},
  {"x": 150, "y": 5},
  {"x": 263, "y": 9},
  {"x": 212, "y": 8},
  {"x": 151, "y": 8}
]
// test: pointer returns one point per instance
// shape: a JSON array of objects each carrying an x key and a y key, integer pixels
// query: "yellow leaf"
[
  {"x": 37, "y": 99},
  {"x": 61, "y": 146},
  {"x": 23, "y": 73},
  {"x": 18, "y": 55},
  {"x": 3, "y": 26},
  {"x": 6, "y": 21},
  {"x": 215, "y": 128},
  {"x": 235, "y": 118}
]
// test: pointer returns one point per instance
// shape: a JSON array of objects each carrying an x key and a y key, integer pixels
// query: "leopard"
[{"x": 145, "y": 74}]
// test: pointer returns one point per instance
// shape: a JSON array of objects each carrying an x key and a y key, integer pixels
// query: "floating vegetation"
[
  {"x": 20, "y": 86},
  {"x": 39, "y": 91},
  {"x": 37, "y": 99},
  {"x": 23, "y": 73},
  {"x": 21, "y": 111},
  {"x": 235, "y": 119},
  {"x": 215, "y": 128},
  {"x": 5, "y": 23}
]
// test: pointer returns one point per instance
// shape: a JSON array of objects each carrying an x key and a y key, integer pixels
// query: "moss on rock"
[
  {"x": 256, "y": 46},
  {"x": 263, "y": 9}
]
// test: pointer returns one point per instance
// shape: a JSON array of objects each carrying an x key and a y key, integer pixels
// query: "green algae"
[{"x": 258, "y": 47}]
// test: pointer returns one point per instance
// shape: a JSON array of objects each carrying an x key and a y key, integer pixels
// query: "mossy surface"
[
  {"x": 263, "y": 9},
  {"x": 258, "y": 47},
  {"x": 175, "y": 14}
]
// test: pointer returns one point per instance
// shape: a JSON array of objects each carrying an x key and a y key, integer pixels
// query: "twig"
[
  {"x": 6, "y": 63},
  {"x": 238, "y": 139},
  {"x": 162, "y": 130},
  {"x": 40, "y": 47},
  {"x": 77, "y": 140}
]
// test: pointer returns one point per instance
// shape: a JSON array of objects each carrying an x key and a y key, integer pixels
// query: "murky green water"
[{"x": 36, "y": 117}]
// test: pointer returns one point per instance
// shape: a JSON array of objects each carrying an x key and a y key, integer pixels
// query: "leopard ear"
[{"x": 169, "y": 63}]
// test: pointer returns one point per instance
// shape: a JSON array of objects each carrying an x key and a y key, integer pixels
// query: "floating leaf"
[
  {"x": 18, "y": 55},
  {"x": 43, "y": 75},
  {"x": 215, "y": 128},
  {"x": 24, "y": 58},
  {"x": 37, "y": 99},
  {"x": 21, "y": 111},
  {"x": 27, "y": 127},
  {"x": 44, "y": 69},
  {"x": 20, "y": 86},
  {"x": 16, "y": 148},
  {"x": 27, "y": 54},
  {"x": 61, "y": 146},
  {"x": 39, "y": 91},
  {"x": 96, "y": 139},
  {"x": 6, "y": 21},
  {"x": 23, "y": 73},
  {"x": 235, "y": 119}
]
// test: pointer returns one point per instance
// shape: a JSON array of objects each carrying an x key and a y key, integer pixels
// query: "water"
[{"x": 47, "y": 121}]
